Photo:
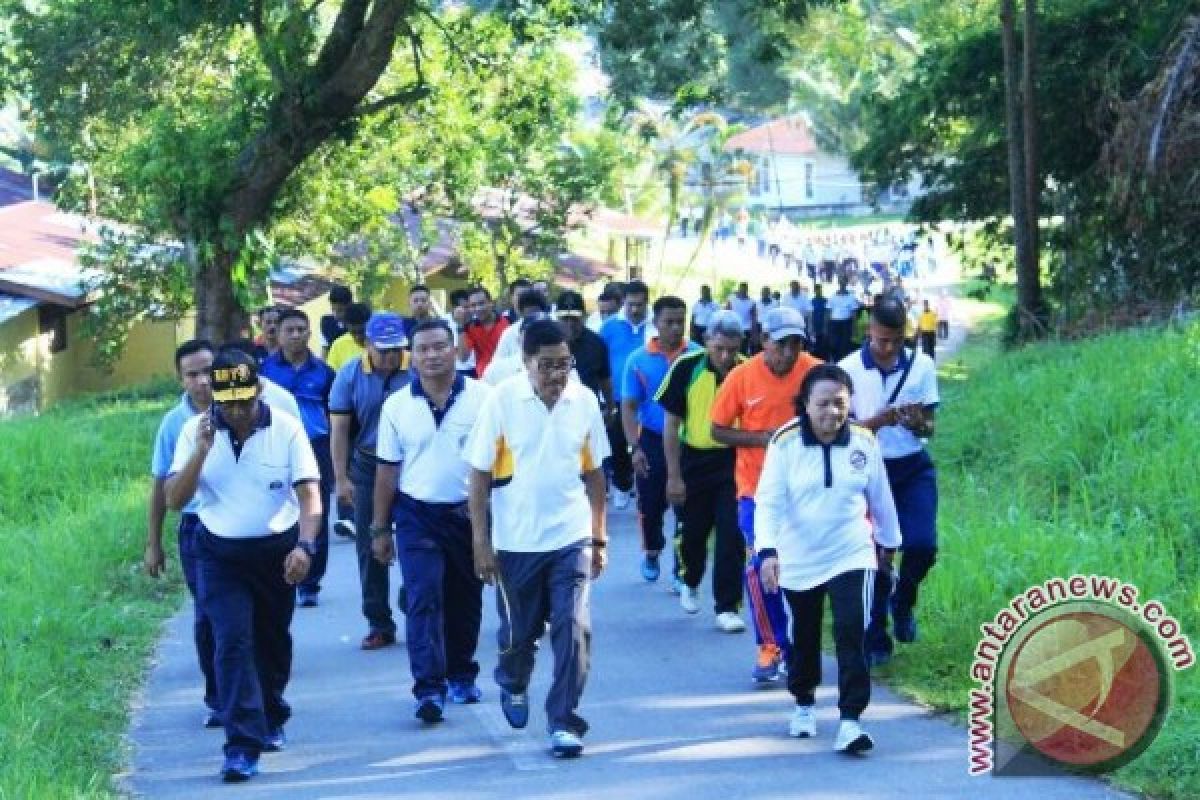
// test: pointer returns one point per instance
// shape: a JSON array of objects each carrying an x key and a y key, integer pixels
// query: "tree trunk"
[
  {"x": 1029, "y": 295},
  {"x": 219, "y": 318},
  {"x": 1027, "y": 269}
]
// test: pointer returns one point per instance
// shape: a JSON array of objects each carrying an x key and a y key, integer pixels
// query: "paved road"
[{"x": 672, "y": 709}]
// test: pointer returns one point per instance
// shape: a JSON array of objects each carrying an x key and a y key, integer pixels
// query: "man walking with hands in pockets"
[{"x": 536, "y": 453}]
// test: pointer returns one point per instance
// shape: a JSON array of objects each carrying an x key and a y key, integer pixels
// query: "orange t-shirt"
[{"x": 753, "y": 398}]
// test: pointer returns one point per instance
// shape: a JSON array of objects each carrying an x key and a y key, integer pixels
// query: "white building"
[{"x": 792, "y": 173}]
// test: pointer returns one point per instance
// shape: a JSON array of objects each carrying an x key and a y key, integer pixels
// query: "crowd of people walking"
[{"x": 484, "y": 445}]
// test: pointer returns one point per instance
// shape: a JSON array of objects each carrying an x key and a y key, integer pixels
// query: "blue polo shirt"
[
  {"x": 166, "y": 439},
  {"x": 309, "y": 383},
  {"x": 360, "y": 391},
  {"x": 622, "y": 337},
  {"x": 645, "y": 372}
]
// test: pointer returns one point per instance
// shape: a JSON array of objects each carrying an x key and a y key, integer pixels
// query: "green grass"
[
  {"x": 78, "y": 618},
  {"x": 1059, "y": 459}
]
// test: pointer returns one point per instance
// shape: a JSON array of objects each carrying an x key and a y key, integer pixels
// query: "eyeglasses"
[{"x": 548, "y": 367}]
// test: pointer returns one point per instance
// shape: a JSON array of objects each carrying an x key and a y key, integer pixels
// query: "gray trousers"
[
  {"x": 536, "y": 590},
  {"x": 372, "y": 576}
]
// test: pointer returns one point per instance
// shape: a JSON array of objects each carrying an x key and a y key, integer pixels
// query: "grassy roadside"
[
  {"x": 77, "y": 616},
  {"x": 1062, "y": 459}
]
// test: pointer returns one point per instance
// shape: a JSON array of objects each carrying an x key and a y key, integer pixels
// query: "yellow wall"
[{"x": 25, "y": 354}]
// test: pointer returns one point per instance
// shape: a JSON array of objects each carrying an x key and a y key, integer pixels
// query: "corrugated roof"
[
  {"x": 11, "y": 306},
  {"x": 788, "y": 136}
]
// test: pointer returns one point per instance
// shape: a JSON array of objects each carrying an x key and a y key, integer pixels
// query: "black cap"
[
  {"x": 234, "y": 376},
  {"x": 570, "y": 304}
]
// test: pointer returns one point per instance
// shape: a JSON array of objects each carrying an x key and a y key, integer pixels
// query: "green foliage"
[
  {"x": 698, "y": 52},
  {"x": 77, "y": 618},
  {"x": 134, "y": 281},
  {"x": 1061, "y": 459}
]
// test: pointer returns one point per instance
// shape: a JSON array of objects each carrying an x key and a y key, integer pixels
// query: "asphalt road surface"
[{"x": 673, "y": 714}]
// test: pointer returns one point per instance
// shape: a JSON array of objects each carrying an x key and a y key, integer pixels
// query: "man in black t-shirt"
[
  {"x": 589, "y": 350},
  {"x": 334, "y": 325}
]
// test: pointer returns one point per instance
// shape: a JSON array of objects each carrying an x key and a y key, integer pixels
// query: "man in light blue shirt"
[
  {"x": 192, "y": 362},
  {"x": 623, "y": 333},
  {"x": 643, "y": 419}
]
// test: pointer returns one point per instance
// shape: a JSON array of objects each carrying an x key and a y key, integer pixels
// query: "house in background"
[{"x": 45, "y": 356}]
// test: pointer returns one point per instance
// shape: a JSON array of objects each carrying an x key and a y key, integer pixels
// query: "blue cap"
[{"x": 385, "y": 331}]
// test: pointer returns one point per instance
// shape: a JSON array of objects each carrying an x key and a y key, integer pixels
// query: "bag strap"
[{"x": 903, "y": 377}]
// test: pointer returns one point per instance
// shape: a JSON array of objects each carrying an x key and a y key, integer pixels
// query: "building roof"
[
  {"x": 12, "y": 305},
  {"x": 37, "y": 253},
  {"x": 787, "y": 136}
]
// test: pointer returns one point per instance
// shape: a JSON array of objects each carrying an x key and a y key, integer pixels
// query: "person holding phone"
[
  {"x": 254, "y": 480},
  {"x": 896, "y": 397}
]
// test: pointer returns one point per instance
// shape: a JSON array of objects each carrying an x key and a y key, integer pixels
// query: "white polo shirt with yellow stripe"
[{"x": 537, "y": 458}]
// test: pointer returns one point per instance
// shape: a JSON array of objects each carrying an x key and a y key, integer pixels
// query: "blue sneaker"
[
  {"x": 429, "y": 709},
  {"x": 768, "y": 667},
  {"x": 650, "y": 568},
  {"x": 276, "y": 740},
  {"x": 564, "y": 744},
  {"x": 238, "y": 767},
  {"x": 464, "y": 693},
  {"x": 515, "y": 706},
  {"x": 306, "y": 598}
]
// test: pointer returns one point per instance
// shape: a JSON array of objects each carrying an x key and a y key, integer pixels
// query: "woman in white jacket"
[{"x": 822, "y": 478}]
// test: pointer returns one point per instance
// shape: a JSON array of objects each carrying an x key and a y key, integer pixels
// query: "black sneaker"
[
  {"x": 515, "y": 706},
  {"x": 429, "y": 709},
  {"x": 239, "y": 767},
  {"x": 344, "y": 528},
  {"x": 276, "y": 740}
]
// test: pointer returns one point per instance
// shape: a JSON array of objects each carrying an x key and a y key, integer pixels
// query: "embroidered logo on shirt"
[
  {"x": 858, "y": 460},
  {"x": 753, "y": 401},
  {"x": 276, "y": 484}
]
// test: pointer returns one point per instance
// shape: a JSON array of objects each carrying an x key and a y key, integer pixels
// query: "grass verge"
[
  {"x": 78, "y": 618},
  {"x": 1061, "y": 459}
]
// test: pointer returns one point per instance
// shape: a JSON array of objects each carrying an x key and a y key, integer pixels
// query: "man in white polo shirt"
[
  {"x": 896, "y": 395},
  {"x": 536, "y": 451},
  {"x": 421, "y": 485},
  {"x": 843, "y": 307},
  {"x": 255, "y": 482}
]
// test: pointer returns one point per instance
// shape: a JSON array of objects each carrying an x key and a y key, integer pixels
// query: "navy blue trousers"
[
  {"x": 202, "y": 632},
  {"x": 250, "y": 607},
  {"x": 372, "y": 576},
  {"x": 444, "y": 596},
  {"x": 914, "y": 487}
]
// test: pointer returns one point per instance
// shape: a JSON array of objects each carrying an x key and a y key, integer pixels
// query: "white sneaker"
[
  {"x": 730, "y": 622},
  {"x": 688, "y": 599},
  {"x": 804, "y": 723},
  {"x": 620, "y": 499},
  {"x": 851, "y": 738}
]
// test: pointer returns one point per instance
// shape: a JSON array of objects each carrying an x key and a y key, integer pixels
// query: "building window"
[
  {"x": 52, "y": 321},
  {"x": 808, "y": 181}
]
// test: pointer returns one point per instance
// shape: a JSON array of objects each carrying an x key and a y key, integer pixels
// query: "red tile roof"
[{"x": 788, "y": 136}]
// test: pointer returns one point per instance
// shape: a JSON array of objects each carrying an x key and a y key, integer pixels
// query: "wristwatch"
[
  {"x": 378, "y": 532},
  {"x": 308, "y": 547}
]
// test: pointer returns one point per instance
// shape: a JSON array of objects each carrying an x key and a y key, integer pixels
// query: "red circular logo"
[{"x": 1084, "y": 687}]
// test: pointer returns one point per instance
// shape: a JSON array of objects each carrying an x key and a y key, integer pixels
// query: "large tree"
[{"x": 200, "y": 117}]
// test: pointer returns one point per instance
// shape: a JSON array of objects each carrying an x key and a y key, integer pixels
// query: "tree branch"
[
  {"x": 346, "y": 30},
  {"x": 265, "y": 49},
  {"x": 417, "y": 90}
]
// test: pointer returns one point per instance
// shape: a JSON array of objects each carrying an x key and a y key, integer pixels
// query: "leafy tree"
[{"x": 200, "y": 120}]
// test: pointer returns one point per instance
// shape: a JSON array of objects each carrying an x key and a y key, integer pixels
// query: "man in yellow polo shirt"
[
  {"x": 352, "y": 343},
  {"x": 535, "y": 454}
]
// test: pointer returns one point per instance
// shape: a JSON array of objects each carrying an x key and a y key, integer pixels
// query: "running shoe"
[
  {"x": 851, "y": 738},
  {"x": 689, "y": 600},
  {"x": 276, "y": 740},
  {"x": 515, "y": 706},
  {"x": 730, "y": 622},
  {"x": 464, "y": 693},
  {"x": 238, "y": 767},
  {"x": 430, "y": 709},
  {"x": 650, "y": 568},
  {"x": 564, "y": 744},
  {"x": 766, "y": 668},
  {"x": 803, "y": 724}
]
